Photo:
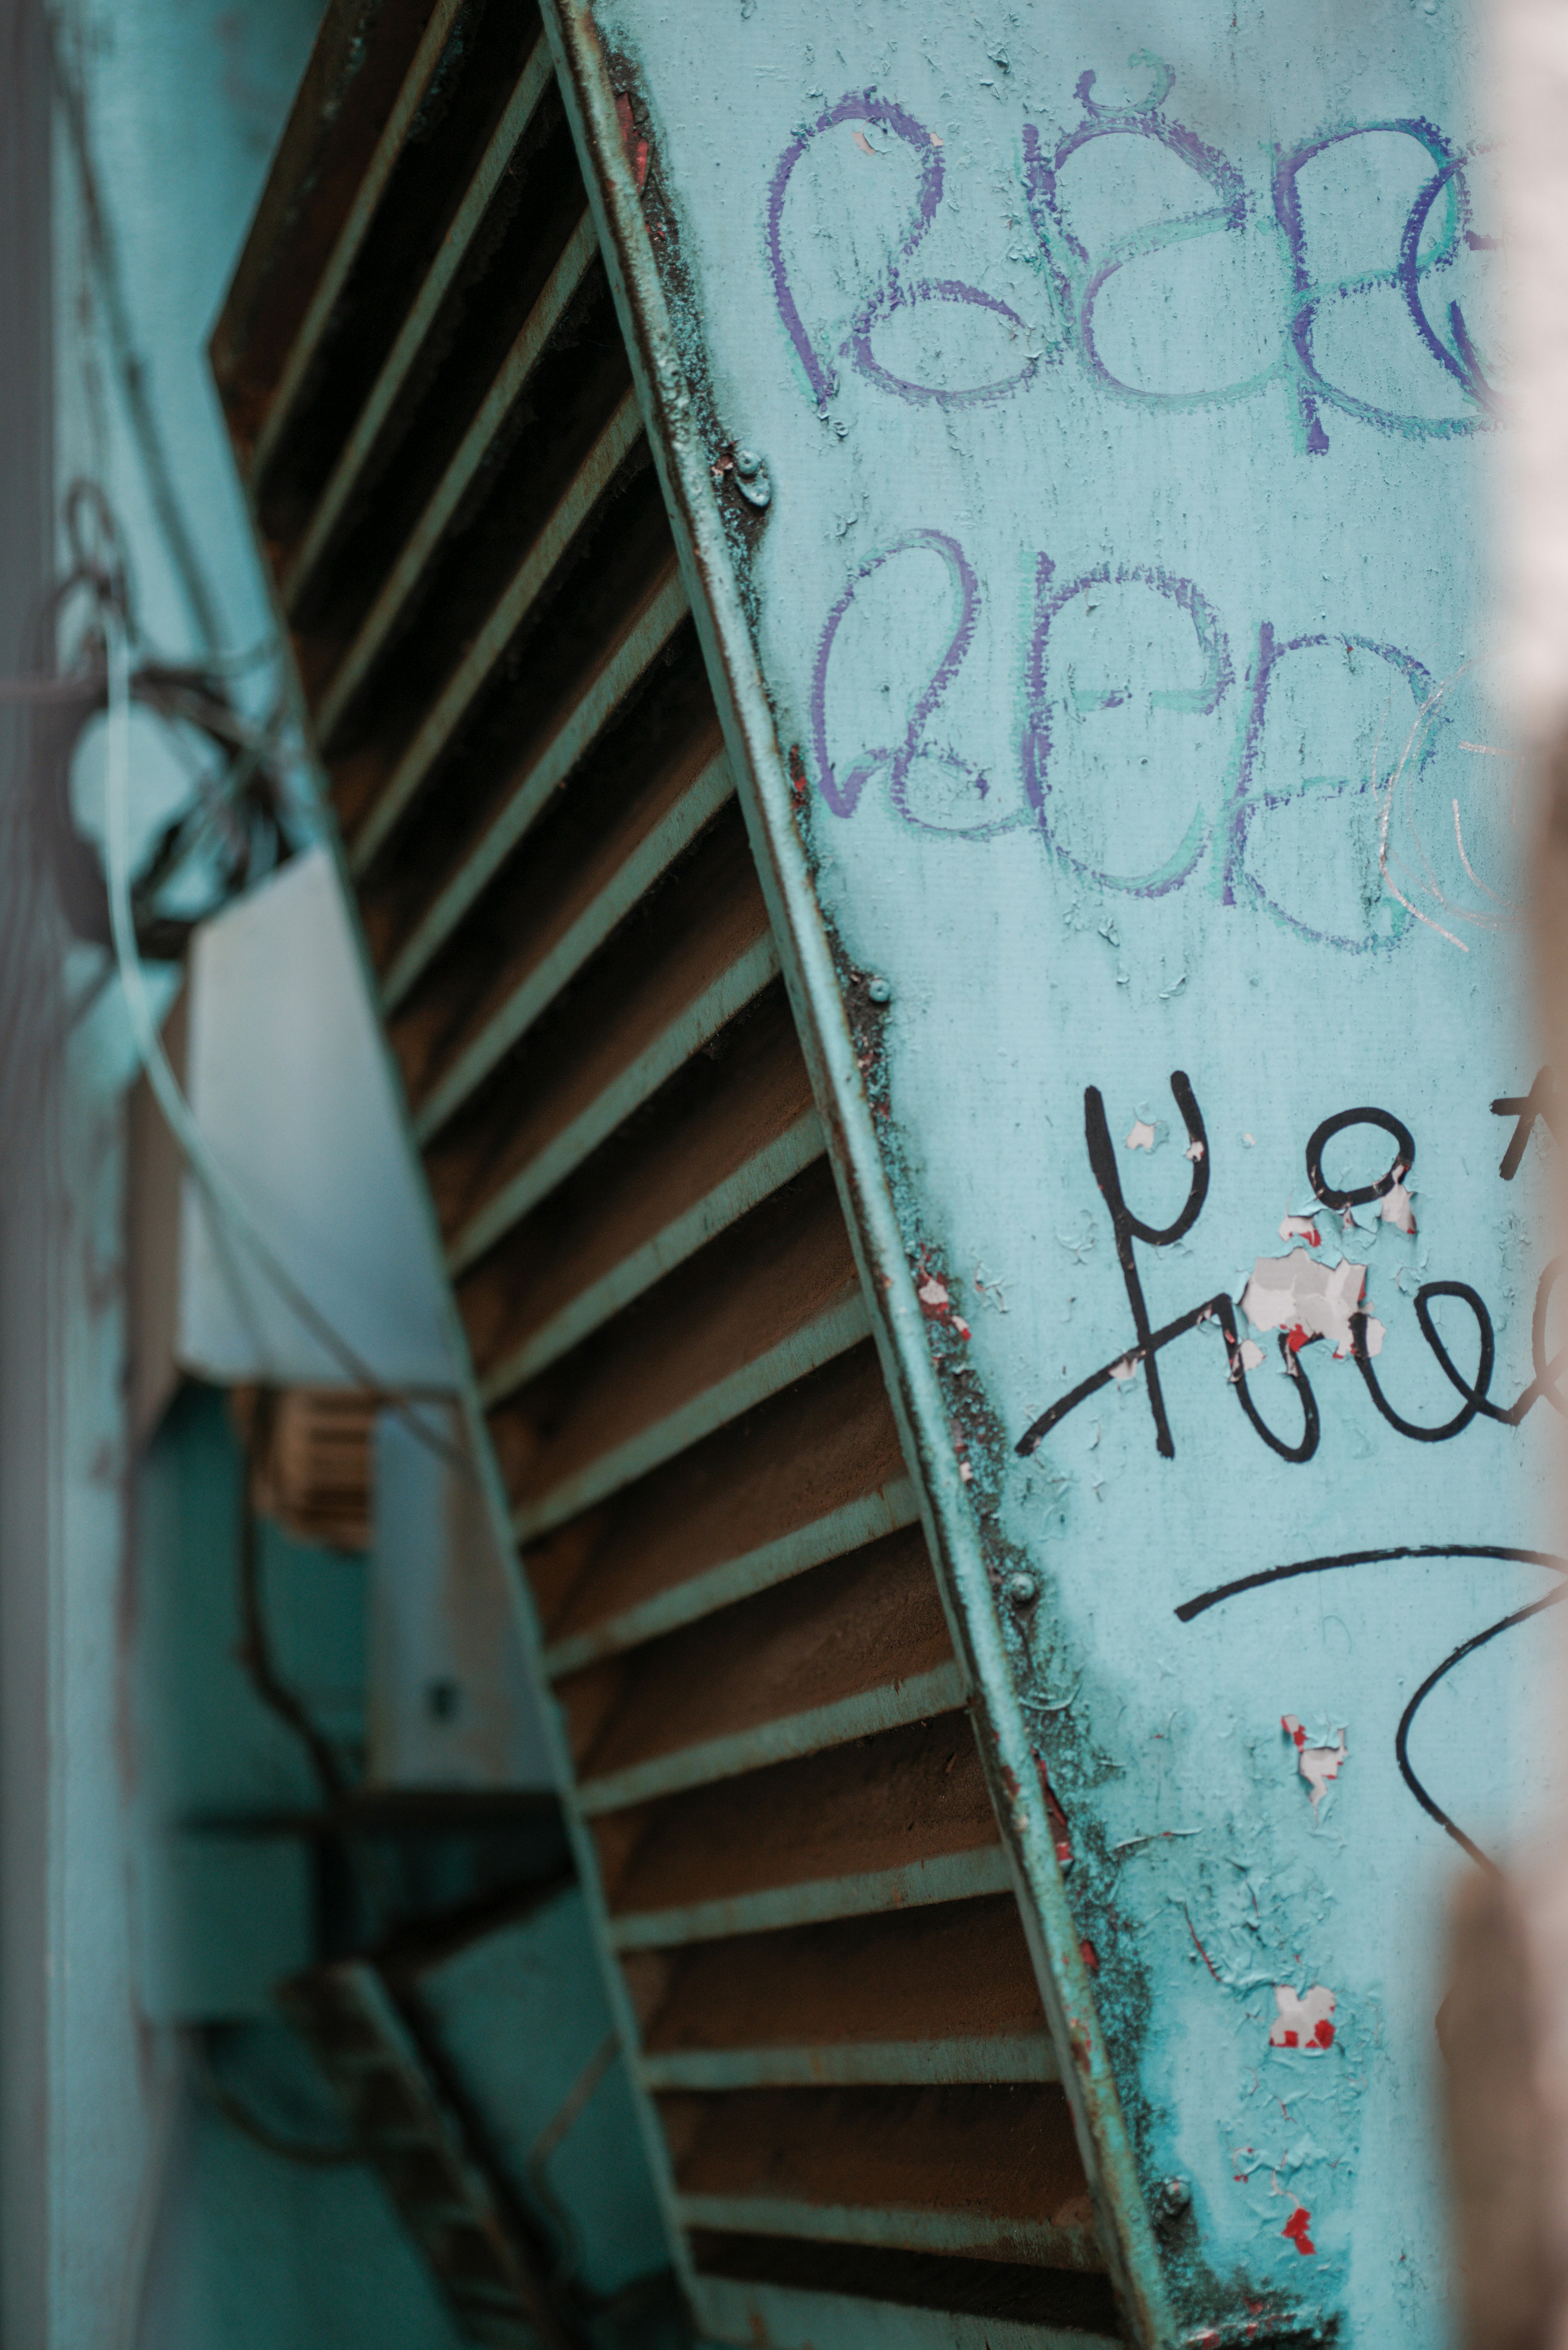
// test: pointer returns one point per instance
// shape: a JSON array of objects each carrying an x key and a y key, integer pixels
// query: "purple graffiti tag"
[
  {"x": 1234, "y": 883},
  {"x": 895, "y": 296},
  {"x": 843, "y": 795},
  {"x": 893, "y": 293},
  {"x": 1201, "y": 700},
  {"x": 1462, "y": 362},
  {"x": 1314, "y": 389},
  {"x": 1077, "y": 280}
]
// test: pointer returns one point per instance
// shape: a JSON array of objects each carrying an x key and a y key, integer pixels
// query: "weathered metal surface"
[{"x": 1106, "y": 675}]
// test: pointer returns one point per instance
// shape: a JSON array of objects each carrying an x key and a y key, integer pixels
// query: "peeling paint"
[
  {"x": 1296, "y": 2227},
  {"x": 1306, "y": 1299},
  {"x": 1398, "y": 1210},
  {"x": 1318, "y": 1763},
  {"x": 1304, "y": 2021}
]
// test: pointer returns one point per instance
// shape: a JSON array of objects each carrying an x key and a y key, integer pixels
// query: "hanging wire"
[
  {"x": 224, "y": 1202},
  {"x": 315, "y": 2154}
]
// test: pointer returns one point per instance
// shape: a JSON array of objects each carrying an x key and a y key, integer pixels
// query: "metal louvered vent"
[{"x": 798, "y": 1867}]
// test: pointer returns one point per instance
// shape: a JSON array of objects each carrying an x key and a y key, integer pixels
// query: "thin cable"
[
  {"x": 221, "y": 1195},
  {"x": 315, "y": 2154},
  {"x": 554, "y": 2132}
]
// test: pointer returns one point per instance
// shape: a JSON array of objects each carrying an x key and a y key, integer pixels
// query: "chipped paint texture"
[{"x": 1124, "y": 378}]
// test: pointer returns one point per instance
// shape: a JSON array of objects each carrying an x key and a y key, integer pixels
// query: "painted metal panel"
[
  {"x": 282, "y": 1063},
  {"x": 1075, "y": 427}
]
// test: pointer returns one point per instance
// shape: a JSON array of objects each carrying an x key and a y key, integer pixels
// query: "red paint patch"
[
  {"x": 1297, "y": 1338},
  {"x": 1061, "y": 1835},
  {"x": 632, "y": 139},
  {"x": 1323, "y": 2035},
  {"x": 1090, "y": 1957},
  {"x": 797, "y": 775},
  {"x": 1296, "y": 2227},
  {"x": 1289, "y": 2039},
  {"x": 936, "y": 1301},
  {"x": 1298, "y": 1733}
]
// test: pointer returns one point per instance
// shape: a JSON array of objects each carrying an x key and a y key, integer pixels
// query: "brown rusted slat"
[
  {"x": 851, "y": 1625},
  {"x": 659, "y": 966},
  {"x": 772, "y": 1276},
  {"x": 828, "y": 1443},
  {"x": 591, "y": 835},
  {"x": 884, "y": 1802},
  {"x": 357, "y": 66},
  {"x": 728, "y": 1104},
  {"x": 995, "y": 2170},
  {"x": 958, "y": 1969}
]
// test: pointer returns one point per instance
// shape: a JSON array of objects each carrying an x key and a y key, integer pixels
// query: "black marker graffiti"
[
  {"x": 1540, "y": 1101},
  {"x": 1219, "y": 1309},
  {"x": 1506, "y": 1552}
]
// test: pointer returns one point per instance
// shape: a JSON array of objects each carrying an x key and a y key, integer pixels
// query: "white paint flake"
[
  {"x": 1299, "y": 1228},
  {"x": 1318, "y": 1764},
  {"x": 1253, "y": 1356},
  {"x": 1142, "y": 1136},
  {"x": 1397, "y": 1208},
  {"x": 1194, "y": 1151},
  {"x": 1308, "y": 1299},
  {"x": 1305, "y": 2020},
  {"x": 1125, "y": 1368}
]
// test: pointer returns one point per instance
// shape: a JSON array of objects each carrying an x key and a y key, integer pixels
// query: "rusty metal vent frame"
[{"x": 775, "y": 1786}]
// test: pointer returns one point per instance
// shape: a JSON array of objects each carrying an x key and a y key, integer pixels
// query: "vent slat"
[
  {"x": 536, "y": 78},
  {"x": 857, "y": 1524},
  {"x": 860, "y": 1644},
  {"x": 643, "y": 639},
  {"x": 419, "y": 551},
  {"x": 912, "y": 2299},
  {"x": 826, "y": 1445},
  {"x": 950, "y": 1877},
  {"x": 533, "y": 994},
  {"x": 991, "y": 2170},
  {"x": 891, "y": 2063},
  {"x": 896, "y": 2231},
  {"x": 859, "y": 1827},
  {"x": 830, "y": 1334},
  {"x": 798, "y": 1148},
  {"x": 724, "y": 1109},
  {"x": 351, "y": 236},
  {"x": 958, "y": 1973},
  {"x": 776, "y": 1741},
  {"x": 717, "y": 1004}
]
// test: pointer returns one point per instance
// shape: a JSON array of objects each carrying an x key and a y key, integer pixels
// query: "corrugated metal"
[{"x": 781, "y": 1800}]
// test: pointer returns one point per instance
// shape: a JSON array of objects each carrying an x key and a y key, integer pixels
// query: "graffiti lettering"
[
  {"x": 1434, "y": 233},
  {"x": 1243, "y": 802},
  {"x": 1149, "y": 1343}
]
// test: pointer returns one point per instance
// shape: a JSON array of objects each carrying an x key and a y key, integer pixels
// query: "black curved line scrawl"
[
  {"x": 1149, "y": 1343},
  {"x": 1508, "y": 1552},
  {"x": 1545, "y": 1386}
]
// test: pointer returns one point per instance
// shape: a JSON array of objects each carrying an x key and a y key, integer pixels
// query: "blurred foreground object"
[{"x": 1503, "y": 2026}]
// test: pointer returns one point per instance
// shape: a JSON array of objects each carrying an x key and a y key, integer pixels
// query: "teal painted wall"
[{"x": 1123, "y": 380}]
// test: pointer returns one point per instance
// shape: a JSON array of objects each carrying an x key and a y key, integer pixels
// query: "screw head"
[
  {"x": 880, "y": 991},
  {"x": 1172, "y": 2197},
  {"x": 748, "y": 464},
  {"x": 1022, "y": 1590}
]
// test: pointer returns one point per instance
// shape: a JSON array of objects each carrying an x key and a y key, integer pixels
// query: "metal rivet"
[
  {"x": 1022, "y": 1590},
  {"x": 747, "y": 464},
  {"x": 880, "y": 991}
]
